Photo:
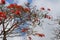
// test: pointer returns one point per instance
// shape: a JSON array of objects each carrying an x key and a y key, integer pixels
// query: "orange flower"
[
  {"x": 8, "y": 6},
  {"x": 11, "y": 16},
  {"x": 40, "y": 35},
  {"x": 19, "y": 7},
  {"x": 17, "y": 12},
  {"x": 47, "y": 16},
  {"x": 42, "y": 8},
  {"x": 24, "y": 30},
  {"x": 27, "y": 9},
  {"x": 11, "y": 6},
  {"x": 2, "y": 15}
]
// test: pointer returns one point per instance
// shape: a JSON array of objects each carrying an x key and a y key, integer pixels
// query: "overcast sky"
[{"x": 54, "y": 5}]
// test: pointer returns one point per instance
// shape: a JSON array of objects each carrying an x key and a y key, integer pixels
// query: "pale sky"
[{"x": 54, "y": 5}]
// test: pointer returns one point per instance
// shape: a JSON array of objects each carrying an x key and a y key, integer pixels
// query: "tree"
[
  {"x": 56, "y": 30},
  {"x": 16, "y": 15}
]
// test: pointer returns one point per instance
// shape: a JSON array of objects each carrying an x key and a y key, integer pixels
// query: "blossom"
[
  {"x": 11, "y": 6},
  {"x": 27, "y": 9},
  {"x": 2, "y": 16},
  {"x": 2, "y": 1},
  {"x": 24, "y": 30},
  {"x": 17, "y": 12},
  {"x": 40, "y": 35},
  {"x": 47, "y": 16},
  {"x": 18, "y": 6},
  {"x": 42, "y": 8},
  {"x": 49, "y": 9}
]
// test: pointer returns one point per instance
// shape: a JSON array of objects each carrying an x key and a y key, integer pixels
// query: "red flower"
[
  {"x": 24, "y": 30},
  {"x": 11, "y": 6},
  {"x": 42, "y": 8},
  {"x": 8, "y": 7},
  {"x": 2, "y": 1},
  {"x": 19, "y": 7},
  {"x": 49, "y": 9},
  {"x": 17, "y": 12},
  {"x": 11, "y": 16},
  {"x": 40, "y": 35},
  {"x": 27, "y": 9},
  {"x": 2, "y": 16},
  {"x": 29, "y": 38},
  {"x": 47, "y": 16}
]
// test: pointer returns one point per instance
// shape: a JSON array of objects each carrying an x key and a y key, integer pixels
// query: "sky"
[
  {"x": 11, "y": 1},
  {"x": 54, "y": 5}
]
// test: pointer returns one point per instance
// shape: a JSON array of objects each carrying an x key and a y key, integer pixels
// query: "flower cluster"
[
  {"x": 2, "y": 2},
  {"x": 23, "y": 15},
  {"x": 2, "y": 16}
]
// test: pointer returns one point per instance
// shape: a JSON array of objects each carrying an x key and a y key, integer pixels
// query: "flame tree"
[{"x": 9, "y": 15}]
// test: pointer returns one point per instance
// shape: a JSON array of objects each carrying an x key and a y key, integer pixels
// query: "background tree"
[{"x": 56, "y": 30}]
